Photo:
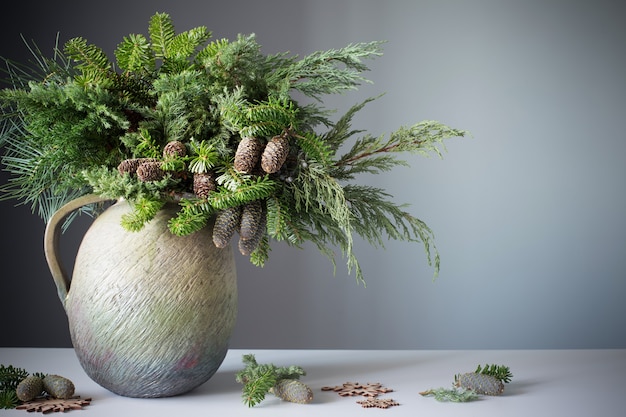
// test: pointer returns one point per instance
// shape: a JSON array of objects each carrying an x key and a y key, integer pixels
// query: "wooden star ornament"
[
  {"x": 357, "y": 389},
  {"x": 378, "y": 403},
  {"x": 47, "y": 405}
]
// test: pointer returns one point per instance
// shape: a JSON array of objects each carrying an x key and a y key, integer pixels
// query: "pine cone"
[
  {"x": 226, "y": 222},
  {"x": 29, "y": 388},
  {"x": 247, "y": 246},
  {"x": 248, "y": 154},
  {"x": 131, "y": 165},
  {"x": 204, "y": 184},
  {"x": 275, "y": 154},
  {"x": 480, "y": 383},
  {"x": 250, "y": 219},
  {"x": 174, "y": 148},
  {"x": 58, "y": 386},
  {"x": 293, "y": 390},
  {"x": 150, "y": 171}
]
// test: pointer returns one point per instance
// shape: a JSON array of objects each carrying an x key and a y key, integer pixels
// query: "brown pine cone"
[
  {"x": 131, "y": 165},
  {"x": 248, "y": 154},
  {"x": 150, "y": 171},
  {"x": 247, "y": 246},
  {"x": 226, "y": 223},
  {"x": 251, "y": 216},
  {"x": 203, "y": 184},
  {"x": 174, "y": 148},
  {"x": 275, "y": 154}
]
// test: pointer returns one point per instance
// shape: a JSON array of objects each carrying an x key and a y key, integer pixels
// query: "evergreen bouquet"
[{"x": 212, "y": 126}]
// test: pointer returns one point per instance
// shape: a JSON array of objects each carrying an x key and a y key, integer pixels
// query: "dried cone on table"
[
  {"x": 275, "y": 154},
  {"x": 293, "y": 390},
  {"x": 203, "y": 184},
  {"x": 480, "y": 383},
  {"x": 226, "y": 223},
  {"x": 29, "y": 388},
  {"x": 248, "y": 154}
]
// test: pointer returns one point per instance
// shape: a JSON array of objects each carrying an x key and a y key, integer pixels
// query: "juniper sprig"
[{"x": 457, "y": 395}]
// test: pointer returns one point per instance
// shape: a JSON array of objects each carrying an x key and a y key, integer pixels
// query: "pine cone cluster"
[
  {"x": 130, "y": 165},
  {"x": 272, "y": 156},
  {"x": 250, "y": 221},
  {"x": 275, "y": 154}
]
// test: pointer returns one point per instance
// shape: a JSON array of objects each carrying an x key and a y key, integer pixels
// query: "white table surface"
[{"x": 550, "y": 383}]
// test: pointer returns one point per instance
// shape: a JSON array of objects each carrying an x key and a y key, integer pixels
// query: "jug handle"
[{"x": 51, "y": 241}]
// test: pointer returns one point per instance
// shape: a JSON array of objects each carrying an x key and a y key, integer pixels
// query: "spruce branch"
[{"x": 260, "y": 379}]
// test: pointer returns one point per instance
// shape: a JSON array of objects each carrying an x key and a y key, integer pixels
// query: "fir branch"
[
  {"x": 249, "y": 190},
  {"x": 260, "y": 254},
  {"x": 501, "y": 372},
  {"x": 144, "y": 210},
  {"x": 193, "y": 216},
  {"x": 259, "y": 379},
  {"x": 135, "y": 54},
  {"x": 267, "y": 118},
  {"x": 91, "y": 60},
  {"x": 162, "y": 32}
]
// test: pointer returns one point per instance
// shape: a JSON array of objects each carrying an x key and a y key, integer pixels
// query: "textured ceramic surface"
[{"x": 150, "y": 314}]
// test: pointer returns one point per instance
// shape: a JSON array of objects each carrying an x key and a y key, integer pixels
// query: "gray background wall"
[{"x": 528, "y": 213}]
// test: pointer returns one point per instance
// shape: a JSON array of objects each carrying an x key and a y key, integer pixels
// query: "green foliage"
[
  {"x": 460, "y": 393},
  {"x": 70, "y": 120},
  {"x": 456, "y": 395},
  {"x": 500, "y": 372},
  {"x": 205, "y": 157},
  {"x": 144, "y": 210},
  {"x": 259, "y": 379}
]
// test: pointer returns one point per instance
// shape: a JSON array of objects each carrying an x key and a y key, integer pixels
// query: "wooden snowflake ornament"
[
  {"x": 47, "y": 405},
  {"x": 378, "y": 403},
  {"x": 350, "y": 389}
]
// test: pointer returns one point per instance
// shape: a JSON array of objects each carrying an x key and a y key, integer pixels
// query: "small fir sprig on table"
[
  {"x": 456, "y": 395},
  {"x": 485, "y": 380},
  {"x": 261, "y": 379}
]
